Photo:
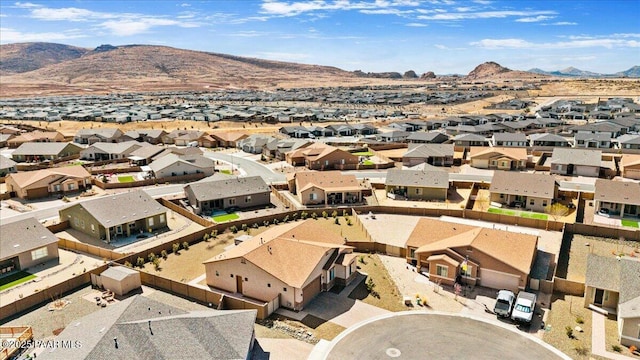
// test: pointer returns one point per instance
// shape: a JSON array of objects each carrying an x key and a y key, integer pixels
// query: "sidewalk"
[{"x": 598, "y": 345}]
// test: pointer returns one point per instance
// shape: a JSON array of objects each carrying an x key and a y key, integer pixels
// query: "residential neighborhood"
[{"x": 280, "y": 241}]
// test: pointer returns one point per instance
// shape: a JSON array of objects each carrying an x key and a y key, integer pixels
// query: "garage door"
[
  {"x": 37, "y": 193},
  {"x": 311, "y": 290},
  {"x": 499, "y": 280}
]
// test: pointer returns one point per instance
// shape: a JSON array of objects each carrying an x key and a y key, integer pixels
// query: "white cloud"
[
  {"x": 483, "y": 15},
  {"x": 564, "y": 23},
  {"x": 185, "y": 5},
  {"x": 26, "y": 5},
  {"x": 606, "y": 42},
  {"x": 483, "y": 2},
  {"x": 416, "y": 25},
  {"x": 128, "y": 27},
  {"x": 68, "y": 14},
  {"x": 8, "y": 35},
  {"x": 281, "y": 8},
  {"x": 535, "y": 19}
]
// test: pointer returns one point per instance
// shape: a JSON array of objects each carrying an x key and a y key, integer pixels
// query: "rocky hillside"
[
  {"x": 493, "y": 70},
  {"x": 24, "y": 57}
]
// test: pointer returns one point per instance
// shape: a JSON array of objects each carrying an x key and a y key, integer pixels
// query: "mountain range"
[
  {"x": 57, "y": 68},
  {"x": 632, "y": 72}
]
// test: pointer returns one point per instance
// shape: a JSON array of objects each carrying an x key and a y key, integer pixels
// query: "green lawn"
[
  {"x": 228, "y": 172},
  {"x": 524, "y": 214},
  {"x": 367, "y": 162},
  {"x": 363, "y": 153},
  {"x": 629, "y": 223},
  {"x": 126, "y": 179},
  {"x": 15, "y": 279},
  {"x": 225, "y": 217}
]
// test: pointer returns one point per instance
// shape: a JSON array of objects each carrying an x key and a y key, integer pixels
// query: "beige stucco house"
[
  {"x": 24, "y": 244},
  {"x": 429, "y": 185},
  {"x": 529, "y": 191},
  {"x": 630, "y": 166},
  {"x": 327, "y": 187},
  {"x": 42, "y": 183},
  {"x": 498, "y": 158}
]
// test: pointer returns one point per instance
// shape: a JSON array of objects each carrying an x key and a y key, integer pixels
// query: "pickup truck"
[
  {"x": 504, "y": 303},
  {"x": 524, "y": 307}
]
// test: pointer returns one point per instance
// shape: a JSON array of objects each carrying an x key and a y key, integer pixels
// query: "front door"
[
  {"x": 598, "y": 298},
  {"x": 239, "y": 284}
]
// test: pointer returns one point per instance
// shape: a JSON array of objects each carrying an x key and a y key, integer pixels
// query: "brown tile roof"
[
  {"x": 429, "y": 230},
  {"x": 513, "y": 249},
  {"x": 313, "y": 230},
  {"x": 37, "y": 135},
  {"x": 26, "y": 178},
  {"x": 621, "y": 192},
  {"x": 630, "y": 160},
  {"x": 228, "y": 136},
  {"x": 327, "y": 180},
  {"x": 488, "y": 152},
  {"x": 514, "y": 183}
]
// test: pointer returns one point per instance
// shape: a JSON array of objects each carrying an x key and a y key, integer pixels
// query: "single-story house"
[
  {"x": 120, "y": 215},
  {"x": 102, "y": 151},
  {"x": 393, "y": 136},
  {"x": 43, "y": 151},
  {"x": 530, "y": 191},
  {"x": 611, "y": 286},
  {"x": 24, "y": 244},
  {"x": 120, "y": 279},
  {"x": 630, "y": 166},
  {"x": 90, "y": 136},
  {"x": 326, "y": 187},
  {"x": 469, "y": 140},
  {"x": 581, "y": 162},
  {"x": 35, "y": 136},
  {"x": 491, "y": 258},
  {"x": 619, "y": 198},
  {"x": 219, "y": 192},
  {"x": 176, "y": 165},
  {"x": 261, "y": 268},
  {"x": 143, "y": 155},
  {"x": 45, "y": 182},
  {"x": 228, "y": 139},
  {"x": 594, "y": 141},
  {"x": 498, "y": 158},
  {"x": 7, "y": 166},
  {"x": 546, "y": 139},
  {"x": 431, "y": 137},
  {"x": 509, "y": 139},
  {"x": 319, "y": 156},
  {"x": 432, "y": 154},
  {"x": 628, "y": 141},
  {"x": 437, "y": 230},
  {"x": 146, "y": 135},
  {"x": 142, "y": 327},
  {"x": 429, "y": 185}
]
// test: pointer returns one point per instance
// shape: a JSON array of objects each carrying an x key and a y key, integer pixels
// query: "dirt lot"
[
  {"x": 385, "y": 293},
  {"x": 566, "y": 311},
  {"x": 599, "y": 246}
]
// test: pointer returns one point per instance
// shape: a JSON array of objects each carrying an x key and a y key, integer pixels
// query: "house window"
[
  {"x": 442, "y": 270},
  {"x": 56, "y": 187},
  {"x": 544, "y": 203},
  {"x": 532, "y": 202},
  {"x": 76, "y": 221},
  {"x": 326, "y": 163},
  {"x": 493, "y": 162},
  {"x": 150, "y": 222},
  {"x": 412, "y": 253},
  {"x": 313, "y": 196},
  {"x": 119, "y": 229},
  {"x": 418, "y": 191},
  {"x": 72, "y": 186},
  {"x": 39, "y": 253},
  {"x": 247, "y": 199},
  {"x": 504, "y": 164},
  {"x": 332, "y": 273},
  {"x": 162, "y": 218},
  {"x": 468, "y": 272},
  {"x": 232, "y": 201},
  {"x": 243, "y": 261},
  {"x": 82, "y": 224},
  {"x": 501, "y": 196}
]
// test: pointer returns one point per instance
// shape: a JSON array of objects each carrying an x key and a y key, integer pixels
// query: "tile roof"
[
  {"x": 514, "y": 183},
  {"x": 428, "y": 230},
  {"x": 585, "y": 157},
  {"x": 26, "y": 178},
  {"x": 149, "y": 329},
  {"x": 112, "y": 210},
  {"x": 42, "y": 148},
  {"x": 621, "y": 192},
  {"x": 118, "y": 272},
  {"x": 327, "y": 180},
  {"x": 196, "y": 161},
  {"x": 428, "y": 150},
  {"x": 221, "y": 187},
  {"x": 513, "y": 249},
  {"x": 509, "y": 137},
  {"x": 23, "y": 235},
  {"x": 517, "y": 153},
  {"x": 614, "y": 274},
  {"x": 116, "y": 148},
  {"x": 431, "y": 179},
  {"x": 630, "y": 159}
]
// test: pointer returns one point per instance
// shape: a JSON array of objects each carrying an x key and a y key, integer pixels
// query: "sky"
[{"x": 444, "y": 36}]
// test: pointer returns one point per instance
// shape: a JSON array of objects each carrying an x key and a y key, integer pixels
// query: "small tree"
[
  {"x": 127, "y": 264},
  {"x": 337, "y": 221},
  {"x": 324, "y": 214},
  {"x": 151, "y": 257},
  {"x": 266, "y": 223},
  {"x": 294, "y": 216},
  {"x": 164, "y": 254},
  {"x": 345, "y": 213},
  {"x": 205, "y": 237},
  {"x": 156, "y": 264},
  {"x": 214, "y": 233},
  {"x": 275, "y": 221},
  {"x": 314, "y": 216},
  {"x": 185, "y": 245},
  {"x": 334, "y": 214},
  {"x": 557, "y": 210},
  {"x": 244, "y": 227},
  {"x": 370, "y": 285},
  {"x": 176, "y": 248},
  {"x": 304, "y": 215},
  {"x": 234, "y": 229},
  {"x": 286, "y": 219},
  {"x": 349, "y": 223},
  {"x": 140, "y": 261}
]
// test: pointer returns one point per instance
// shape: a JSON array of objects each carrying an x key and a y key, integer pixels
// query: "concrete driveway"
[
  {"x": 341, "y": 310},
  {"x": 281, "y": 349}
]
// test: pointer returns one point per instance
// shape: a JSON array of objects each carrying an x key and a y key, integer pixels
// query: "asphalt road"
[{"x": 250, "y": 167}]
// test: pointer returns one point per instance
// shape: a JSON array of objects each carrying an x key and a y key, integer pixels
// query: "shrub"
[
  {"x": 361, "y": 260},
  {"x": 569, "y": 331},
  {"x": 349, "y": 222},
  {"x": 582, "y": 350},
  {"x": 616, "y": 348},
  {"x": 314, "y": 216},
  {"x": 370, "y": 285},
  {"x": 337, "y": 221},
  {"x": 334, "y": 214},
  {"x": 234, "y": 229},
  {"x": 286, "y": 219},
  {"x": 151, "y": 257},
  {"x": 176, "y": 248},
  {"x": 156, "y": 264},
  {"x": 579, "y": 319},
  {"x": 275, "y": 221},
  {"x": 255, "y": 225},
  {"x": 185, "y": 245},
  {"x": 325, "y": 215},
  {"x": 214, "y": 233},
  {"x": 304, "y": 215},
  {"x": 266, "y": 223},
  {"x": 294, "y": 216},
  {"x": 164, "y": 254},
  {"x": 345, "y": 213},
  {"x": 127, "y": 264},
  {"x": 205, "y": 237},
  {"x": 244, "y": 227},
  {"x": 140, "y": 261},
  {"x": 633, "y": 349}
]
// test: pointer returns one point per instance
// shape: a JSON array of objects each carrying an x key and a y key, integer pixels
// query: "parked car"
[
  {"x": 603, "y": 212},
  {"x": 504, "y": 303},
  {"x": 524, "y": 307}
]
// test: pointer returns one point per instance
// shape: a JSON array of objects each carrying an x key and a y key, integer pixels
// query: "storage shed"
[{"x": 120, "y": 279}]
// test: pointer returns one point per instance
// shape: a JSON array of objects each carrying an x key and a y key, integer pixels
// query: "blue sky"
[{"x": 444, "y": 36}]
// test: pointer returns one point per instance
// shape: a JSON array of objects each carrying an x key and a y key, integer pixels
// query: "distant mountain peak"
[{"x": 487, "y": 69}]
